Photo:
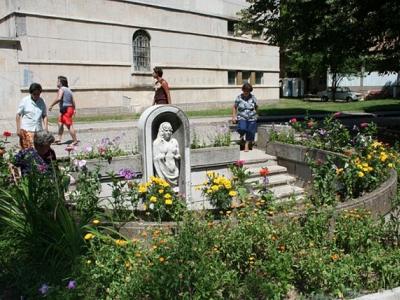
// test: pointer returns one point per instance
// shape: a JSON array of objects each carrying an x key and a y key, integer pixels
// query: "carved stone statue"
[{"x": 166, "y": 155}]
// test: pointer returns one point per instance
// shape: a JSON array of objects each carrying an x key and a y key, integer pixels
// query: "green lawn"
[
  {"x": 282, "y": 107},
  {"x": 295, "y": 106}
]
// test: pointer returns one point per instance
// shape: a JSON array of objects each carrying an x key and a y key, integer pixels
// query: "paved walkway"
[{"x": 91, "y": 134}]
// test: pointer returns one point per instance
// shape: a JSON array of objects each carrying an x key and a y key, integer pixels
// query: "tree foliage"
[{"x": 337, "y": 34}]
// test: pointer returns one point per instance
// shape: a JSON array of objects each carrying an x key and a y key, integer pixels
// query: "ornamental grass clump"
[
  {"x": 218, "y": 190},
  {"x": 159, "y": 199}
]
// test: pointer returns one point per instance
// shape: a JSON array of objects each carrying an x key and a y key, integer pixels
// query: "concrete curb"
[{"x": 393, "y": 294}]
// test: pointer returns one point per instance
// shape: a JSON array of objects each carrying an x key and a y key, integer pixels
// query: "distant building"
[{"x": 107, "y": 49}]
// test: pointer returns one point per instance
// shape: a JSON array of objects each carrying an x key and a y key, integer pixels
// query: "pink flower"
[
  {"x": 337, "y": 114},
  {"x": 364, "y": 125},
  {"x": 293, "y": 120},
  {"x": 102, "y": 150},
  {"x": 80, "y": 163},
  {"x": 240, "y": 163},
  {"x": 42, "y": 168}
]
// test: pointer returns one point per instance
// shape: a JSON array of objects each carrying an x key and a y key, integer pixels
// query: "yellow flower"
[
  {"x": 215, "y": 188},
  {"x": 89, "y": 236},
  {"x": 210, "y": 174},
  {"x": 168, "y": 201},
  {"x": 339, "y": 171},
  {"x": 161, "y": 259},
  {"x": 142, "y": 189},
  {"x": 164, "y": 184},
  {"x": 369, "y": 156},
  {"x": 360, "y": 174},
  {"x": 96, "y": 222},
  {"x": 383, "y": 156},
  {"x": 153, "y": 199},
  {"x": 232, "y": 193},
  {"x": 376, "y": 144},
  {"x": 167, "y": 196},
  {"x": 209, "y": 191},
  {"x": 161, "y": 191},
  {"x": 128, "y": 265},
  {"x": 390, "y": 165},
  {"x": 120, "y": 242}
]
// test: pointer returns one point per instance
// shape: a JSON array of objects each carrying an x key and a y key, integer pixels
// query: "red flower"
[
  {"x": 293, "y": 120},
  {"x": 6, "y": 133},
  {"x": 264, "y": 172},
  {"x": 364, "y": 125}
]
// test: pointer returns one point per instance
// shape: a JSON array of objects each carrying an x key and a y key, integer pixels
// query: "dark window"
[
  {"x": 259, "y": 77},
  {"x": 246, "y": 76},
  {"x": 231, "y": 77},
  {"x": 141, "y": 51},
  {"x": 231, "y": 27}
]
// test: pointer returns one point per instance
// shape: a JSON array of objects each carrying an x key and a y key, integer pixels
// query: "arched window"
[{"x": 141, "y": 51}]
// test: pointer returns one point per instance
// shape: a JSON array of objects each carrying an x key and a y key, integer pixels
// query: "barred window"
[{"x": 141, "y": 51}]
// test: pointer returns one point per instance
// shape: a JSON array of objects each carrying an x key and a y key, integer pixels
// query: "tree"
[{"x": 339, "y": 35}]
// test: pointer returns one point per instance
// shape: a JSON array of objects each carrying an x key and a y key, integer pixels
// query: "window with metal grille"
[{"x": 141, "y": 51}]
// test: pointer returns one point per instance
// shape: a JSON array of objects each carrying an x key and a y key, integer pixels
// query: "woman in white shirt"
[{"x": 31, "y": 116}]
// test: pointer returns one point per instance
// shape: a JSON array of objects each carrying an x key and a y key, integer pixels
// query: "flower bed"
[{"x": 51, "y": 250}]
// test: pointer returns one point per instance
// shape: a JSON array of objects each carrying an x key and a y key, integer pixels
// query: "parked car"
[
  {"x": 342, "y": 93},
  {"x": 378, "y": 94}
]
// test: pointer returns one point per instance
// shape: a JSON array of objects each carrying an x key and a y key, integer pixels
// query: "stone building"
[{"x": 107, "y": 49}]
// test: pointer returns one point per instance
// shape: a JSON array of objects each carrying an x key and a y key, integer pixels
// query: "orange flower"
[
  {"x": 264, "y": 172},
  {"x": 335, "y": 257}
]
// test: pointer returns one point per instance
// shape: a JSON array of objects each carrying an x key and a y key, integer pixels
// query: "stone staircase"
[{"x": 280, "y": 182}]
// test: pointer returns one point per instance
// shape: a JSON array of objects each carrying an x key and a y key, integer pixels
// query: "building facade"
[{"x": 107, "y": 49}]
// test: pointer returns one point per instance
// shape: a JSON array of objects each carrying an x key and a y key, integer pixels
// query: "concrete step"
[
  {"x": 274, "y": 180},
  {"x": 273, "y": 170},
  {"x": 260, "y": 163},
  {"x": 286, "y": 191}
]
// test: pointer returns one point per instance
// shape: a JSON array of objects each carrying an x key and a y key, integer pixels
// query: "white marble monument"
[{"x": 164, "y": 143}]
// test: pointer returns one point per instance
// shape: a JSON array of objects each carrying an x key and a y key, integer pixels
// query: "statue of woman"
[{"x": 166, "y": 155}]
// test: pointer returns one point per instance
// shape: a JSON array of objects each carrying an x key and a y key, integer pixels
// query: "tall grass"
[{"x": 34, "y": 211}]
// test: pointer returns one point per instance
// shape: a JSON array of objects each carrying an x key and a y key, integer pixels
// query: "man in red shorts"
[{"x": 66, "y": 102}]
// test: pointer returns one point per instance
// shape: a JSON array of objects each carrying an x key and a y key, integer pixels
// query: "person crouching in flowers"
[{"x": 41, "y": 158}]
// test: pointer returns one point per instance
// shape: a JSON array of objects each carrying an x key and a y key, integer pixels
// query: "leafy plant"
[
  {"x": 86, "y": 194},
  {"x": 218, "y": 190},
  {"x": 124, "y": 195},
  {"x": 160, "y": 200}
]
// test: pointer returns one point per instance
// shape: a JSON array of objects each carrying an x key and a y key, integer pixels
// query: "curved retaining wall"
[{"x": 379, "y": 201}]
